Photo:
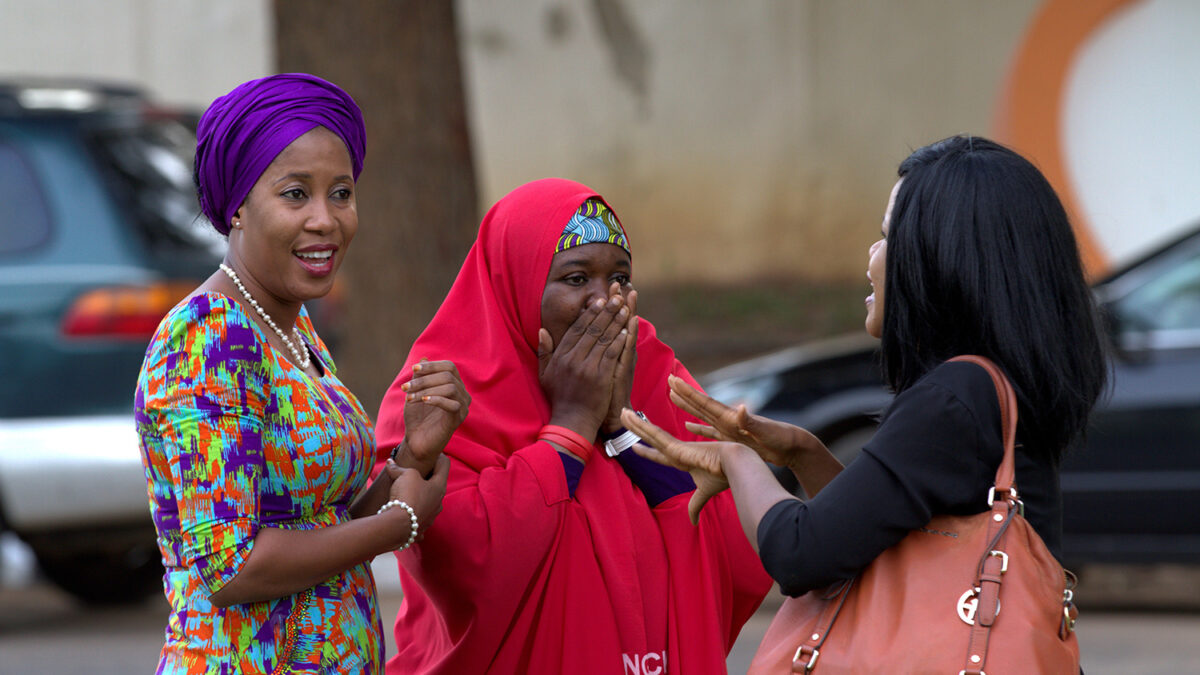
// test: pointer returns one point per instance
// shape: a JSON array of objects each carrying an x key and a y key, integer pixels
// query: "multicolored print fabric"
[
  {"x": 234, "y": 437},
  {"x": 593, "y": 223}
]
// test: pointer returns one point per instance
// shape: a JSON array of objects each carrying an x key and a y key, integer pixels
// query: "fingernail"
[
  {"x": 424, "y": 398},
  {"x": 417, "y": 368},
  {"x": 624, "y": 331},
  {"x": 410, "y": 397},
  {"x": 623, "y": 313},
  {"x": 391, "y": 462},
  {"x": 405, "y": 386}
]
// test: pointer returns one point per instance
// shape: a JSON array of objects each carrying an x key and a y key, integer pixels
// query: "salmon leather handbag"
[{"x": 964, "y": 595}]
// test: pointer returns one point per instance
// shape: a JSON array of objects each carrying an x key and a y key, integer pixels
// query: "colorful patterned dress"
[{"x": 235, "y": 437}]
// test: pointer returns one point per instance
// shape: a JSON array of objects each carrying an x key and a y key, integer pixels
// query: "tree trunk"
[{"x": 417, "y": 195}]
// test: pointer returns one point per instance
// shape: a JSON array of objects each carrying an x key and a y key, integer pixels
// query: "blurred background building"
[
  {"x": 741, "y": 141},
  {"x": 748, "y": 143}
]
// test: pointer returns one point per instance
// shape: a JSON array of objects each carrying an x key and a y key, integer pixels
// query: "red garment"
[{"x": 516, "y": 575}]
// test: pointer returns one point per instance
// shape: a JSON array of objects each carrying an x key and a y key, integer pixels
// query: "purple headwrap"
[{"x": 243, "y": 131}]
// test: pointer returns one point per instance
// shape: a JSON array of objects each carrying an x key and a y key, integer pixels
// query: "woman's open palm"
[
  {"x": 700, "y": 459},
  {"x": 775, "y": 442}
]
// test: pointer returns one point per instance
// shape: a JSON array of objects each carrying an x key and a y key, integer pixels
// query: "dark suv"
[{"x": 100, "y": 237}]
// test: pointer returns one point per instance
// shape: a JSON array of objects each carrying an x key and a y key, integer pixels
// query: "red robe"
[{"x": 516, "y": 575}]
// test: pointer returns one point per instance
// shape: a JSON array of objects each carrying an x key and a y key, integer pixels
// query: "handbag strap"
[
  {"x": 1006, "y": 474},
  {"x": 1004, "y": 506},
  {"x": 805, "y": 658}
]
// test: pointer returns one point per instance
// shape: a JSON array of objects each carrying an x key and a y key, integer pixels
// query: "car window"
[
  {"x": 1170, "y": 301},
  {"x": 150, "y": 164},
  {"x": 24, "y": 218}
]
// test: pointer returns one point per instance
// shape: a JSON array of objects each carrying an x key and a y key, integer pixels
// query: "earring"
[{"x": 237, "y": 224}]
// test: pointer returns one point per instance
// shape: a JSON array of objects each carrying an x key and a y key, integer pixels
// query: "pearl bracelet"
[{"x": 412, "y": 515}]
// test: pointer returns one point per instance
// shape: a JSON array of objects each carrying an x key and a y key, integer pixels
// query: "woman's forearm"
[
  {"x": 284, "y": 562},
  {"x": 754, "y": 487},
  {"x": 812, "y": 463},
  {"x": 375, "y": 496}
]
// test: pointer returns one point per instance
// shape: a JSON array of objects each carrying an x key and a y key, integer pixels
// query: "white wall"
[
  {"x": 735, "y": 139},
  {"x": 184, "y": 51},
  {"x": 1132, "y": 126}
]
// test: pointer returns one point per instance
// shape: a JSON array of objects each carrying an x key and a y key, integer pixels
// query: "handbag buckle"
[
  {"x": 804, "y": 650},
  {"x": 1003, "y": 560},
  {"x": 1070, "y": 612},
  {"x": 1012, "y": 497},
  {"x": 1070, "y": 615}
]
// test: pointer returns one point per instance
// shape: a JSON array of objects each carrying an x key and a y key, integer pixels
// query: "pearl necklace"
[{"x": 300, "y": 355}]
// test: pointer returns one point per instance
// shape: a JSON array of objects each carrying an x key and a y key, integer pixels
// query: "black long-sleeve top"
[{"x": 936, "y": 452}]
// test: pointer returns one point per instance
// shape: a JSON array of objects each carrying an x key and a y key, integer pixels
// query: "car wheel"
[
  {"x": 848, "y": 445},
  {"x": 105, "y": 577}
]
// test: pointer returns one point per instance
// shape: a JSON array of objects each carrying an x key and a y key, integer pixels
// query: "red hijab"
[
  {"x": 517, "y": 574},
  {"x": 488, "y": 325}
]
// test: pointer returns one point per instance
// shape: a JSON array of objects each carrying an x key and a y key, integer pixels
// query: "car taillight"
[{"x": 123, "y": 312}]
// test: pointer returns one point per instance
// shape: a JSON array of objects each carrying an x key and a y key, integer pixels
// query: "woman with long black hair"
[{"x": 976, "y": 257}]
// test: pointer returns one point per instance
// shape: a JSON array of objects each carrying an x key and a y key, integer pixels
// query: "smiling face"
[
  {"x": 578, "y": 276},
  {"x": 877, "y": 270},
  {"x": 292, "y": 232}
]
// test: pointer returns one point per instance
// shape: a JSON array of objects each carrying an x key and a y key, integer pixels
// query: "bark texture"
[{"x": 417, "y": 198}]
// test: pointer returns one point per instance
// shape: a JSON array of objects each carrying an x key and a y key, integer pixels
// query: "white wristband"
[
  {"x": 621, "y": 443},
  {"x": 616, "y": 446},
  {"x": 412, "y": 515}
]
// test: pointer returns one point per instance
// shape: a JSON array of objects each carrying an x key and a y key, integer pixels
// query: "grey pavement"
[{"x": 43, "y": 632}]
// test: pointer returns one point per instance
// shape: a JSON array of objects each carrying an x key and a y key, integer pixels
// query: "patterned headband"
[{"x": 593, "y": 223}]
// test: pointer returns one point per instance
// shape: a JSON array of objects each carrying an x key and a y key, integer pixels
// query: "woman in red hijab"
[{"x": 557, "y": 550}]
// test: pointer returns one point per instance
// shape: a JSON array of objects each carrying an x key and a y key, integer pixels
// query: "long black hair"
[{"x": 981, "y": 259}]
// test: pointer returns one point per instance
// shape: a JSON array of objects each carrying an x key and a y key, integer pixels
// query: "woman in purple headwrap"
[{"x": 257, "y": 457}]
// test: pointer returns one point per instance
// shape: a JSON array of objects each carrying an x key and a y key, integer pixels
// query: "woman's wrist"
[
  {"x": 733, "y": 453},
  {"x": 585, "y": 425},
  {"x": 404, "y": 456},
  {"x": 612, "y": 425},
  {"x": 798, "y": 449},
  {"x": 401, "y": 513},
  {"x": 563, "y": 439}
]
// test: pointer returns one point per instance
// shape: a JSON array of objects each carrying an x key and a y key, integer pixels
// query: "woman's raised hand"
[
  {"x": 623, "y": 376},
  {"x": 701, "y": 459},
  {"x": 435, "y": 403},
  {"x": 779, "y": 443},
  {"x": 578, "y": 373},
  {"x": 776, "y": 442}
]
